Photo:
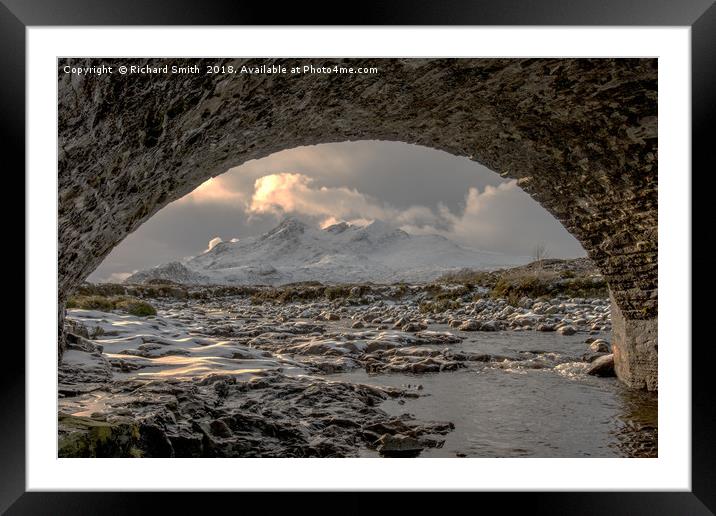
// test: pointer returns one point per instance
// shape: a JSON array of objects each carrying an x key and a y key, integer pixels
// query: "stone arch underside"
[{"x": 579, "y": 135}]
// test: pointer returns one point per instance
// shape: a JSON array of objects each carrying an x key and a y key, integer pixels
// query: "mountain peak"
[
  {"x": 379, "y": 230},
  {"x": 290, "y": 221},
  {"x": 288, "y": 227}
]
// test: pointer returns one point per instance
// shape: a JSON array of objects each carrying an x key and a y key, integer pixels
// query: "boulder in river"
[
  {"x": 599, "y": 346},
  {"x": 602, "y": 366},
  {"x": 399, "y": 446},
  {"x": 470, "y": 325},
  {"x": 490, "y": 326},
  {"x": 413, "y": 327},
  {"x": 591, "y": 356},
  {"x": 566, "y": 330}
]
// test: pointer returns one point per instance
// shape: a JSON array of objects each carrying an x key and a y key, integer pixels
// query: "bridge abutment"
[{"x": 635, "y": 347}]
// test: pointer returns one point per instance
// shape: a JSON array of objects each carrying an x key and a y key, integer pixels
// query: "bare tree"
[{"x": 539, "y": 254}]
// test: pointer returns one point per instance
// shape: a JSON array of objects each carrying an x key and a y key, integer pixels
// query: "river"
[{"x": 544, "y": 406}]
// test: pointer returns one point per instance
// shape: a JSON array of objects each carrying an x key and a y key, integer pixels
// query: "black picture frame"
[{"x": 17, "y": 15}]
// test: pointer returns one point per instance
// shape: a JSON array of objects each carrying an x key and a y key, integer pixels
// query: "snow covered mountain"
[{"x": 341, "y": 253}]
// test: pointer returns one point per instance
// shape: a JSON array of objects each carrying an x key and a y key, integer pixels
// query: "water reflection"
[{"x": 637, "y": 429}]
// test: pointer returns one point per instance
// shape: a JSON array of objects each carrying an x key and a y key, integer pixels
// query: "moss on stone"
[{"x": 86, "y": 437}]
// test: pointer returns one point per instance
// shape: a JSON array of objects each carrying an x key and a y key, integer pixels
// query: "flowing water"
[{"x": 542, "y": 406}]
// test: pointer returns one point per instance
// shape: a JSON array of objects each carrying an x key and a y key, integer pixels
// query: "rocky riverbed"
[{"x": 353, "y": 370}]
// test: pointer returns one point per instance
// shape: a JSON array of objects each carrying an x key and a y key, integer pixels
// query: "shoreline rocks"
[{"x": 269, "y": 416}]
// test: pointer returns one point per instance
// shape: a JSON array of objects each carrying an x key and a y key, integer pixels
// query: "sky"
[{"x": 417, "y": 189}]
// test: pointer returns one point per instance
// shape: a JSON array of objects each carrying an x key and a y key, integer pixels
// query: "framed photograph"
[{"x": 434, "y": 249}]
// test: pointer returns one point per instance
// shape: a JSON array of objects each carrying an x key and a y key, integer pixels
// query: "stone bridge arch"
[{"x": 579, "y": 135}]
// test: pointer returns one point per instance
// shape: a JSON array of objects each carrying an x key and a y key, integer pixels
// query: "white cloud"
[
  {"x": 505, "y": 217},
  {"x": 294, "y": 193},
  {"x": 500, "y": 217},
  {"x": 216, "y": 190}
]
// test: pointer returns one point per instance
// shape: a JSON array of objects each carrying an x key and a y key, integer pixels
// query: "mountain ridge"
[{"x": 294, "y": 251}]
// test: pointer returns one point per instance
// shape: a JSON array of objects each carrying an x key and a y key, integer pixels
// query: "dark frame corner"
[{"x": 700, "y": 15}]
